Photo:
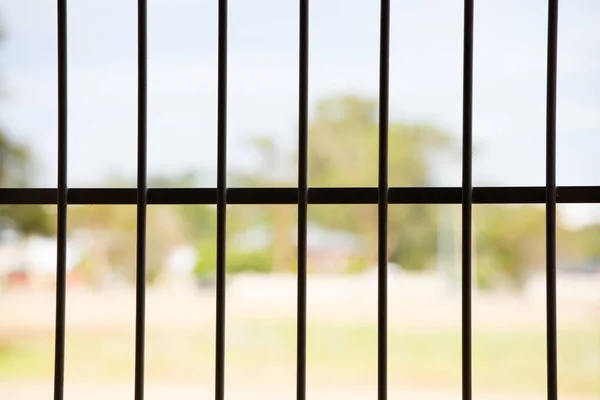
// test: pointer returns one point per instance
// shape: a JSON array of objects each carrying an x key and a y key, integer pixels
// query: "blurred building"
[
  {"x": 180, "y": 265},
  {"x": 328, "y": 250},
  {"x": 30, "y": 262},
  {"x": 332, "y": 250}
]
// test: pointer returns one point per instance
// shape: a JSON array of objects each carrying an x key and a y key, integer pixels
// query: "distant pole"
[
  {"x": 474, "y": 255},
  {"x": 456, "y": 232},
  {"x": 441, "y": 244},
  {"x": 445, "y": 247}
]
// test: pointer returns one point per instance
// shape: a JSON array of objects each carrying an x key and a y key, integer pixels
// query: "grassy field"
[
  {"x": 424, "y": 344},
  {"x": 262, "y": 351}
]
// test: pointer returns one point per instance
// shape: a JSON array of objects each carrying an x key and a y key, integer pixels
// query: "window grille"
[{"x": 302, "y": 195}]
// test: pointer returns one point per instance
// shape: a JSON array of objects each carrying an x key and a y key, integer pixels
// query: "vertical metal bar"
[
  {"x": 302, "y": 200},
  {"x": 142, "y": 192},
  {"x": 551, "y": 200},
  {"x": 221, "y": 202},
  {"x": 467, "y": 199},
  {"x": 384, "y": 87},
  {"x": 61, "y": 234}
]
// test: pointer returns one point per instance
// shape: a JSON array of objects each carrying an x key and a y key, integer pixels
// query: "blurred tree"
[
  {"x": 243, "y": 223},
  {"x": 15, "y": 172},
  {"x": 111, "y": 250},
  {"x": 15, "y": 162},
  {"x": 343, "y": 151},
  {"x": 584, "y": 243},
  {"x": 29, "y": 219},
  {"x": 509, "y": 242},
  {"x": 16, "y": 169},
  {"x": 344, "y": 146},
  {"x": 272, "y": 171},
  {"x": 112, "y": 230}
]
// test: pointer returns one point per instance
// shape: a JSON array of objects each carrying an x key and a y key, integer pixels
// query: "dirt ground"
[
  {"x": 184, "y": 306},
  {"x": 342, "y": 299},
  {"x": 43, "y": 390}
]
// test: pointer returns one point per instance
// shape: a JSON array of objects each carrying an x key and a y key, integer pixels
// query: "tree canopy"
[
  {"x": 16, "y": 171},
  {"x": 343, "y": 151}
]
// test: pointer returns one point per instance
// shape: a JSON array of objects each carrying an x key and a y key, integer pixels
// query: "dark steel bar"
[
  {"x": 221, "y": 202},
  {"x": 577, "y": 194},
  {"x": 383, "y": 192},
  {"x": 182, "y": 196},
  {"x": 142, "y": 200},
  {"x": 467, "y": 200},
  {"x": 265, "y": 195},
  {"x": 343, "y": 195},
  {"x": 357, "y": 195},
  {"x": 551, "y": 335},
  {"x": 302, "y": 200},
  {"x": 61, "y": 201}
]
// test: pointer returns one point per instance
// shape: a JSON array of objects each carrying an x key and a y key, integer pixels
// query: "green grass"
[{"x": 511, "y": 361}]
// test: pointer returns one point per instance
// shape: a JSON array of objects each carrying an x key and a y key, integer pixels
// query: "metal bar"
[
  {"x": 221, "y": 202},
  {"x": 61, "y": 201},
  {"x": 467, "y": 200},
  {"x": 182, "y": 196},
  {"x": 265, "y": 195},
  {"x": 383, "y": 192},
  {"x": 343, "y": 195},
  {"x": 356, "y": 195},
  {"x": 551, "y": 200},
  {"x": 142, "y": 199},
  {"x": 302, "y": 199}
]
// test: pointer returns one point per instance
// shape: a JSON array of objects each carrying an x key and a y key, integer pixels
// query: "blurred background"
[{"x": 509, "y": 358}]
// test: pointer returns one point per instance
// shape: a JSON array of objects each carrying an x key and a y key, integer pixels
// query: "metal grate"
[{"x": 302, "y": 196}]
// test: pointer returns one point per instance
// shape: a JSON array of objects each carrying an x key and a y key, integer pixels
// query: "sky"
[{"x": 425, "y": 82}]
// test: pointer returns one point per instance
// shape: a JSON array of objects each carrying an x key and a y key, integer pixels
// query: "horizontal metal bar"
[{"x": 347, "y": 195}]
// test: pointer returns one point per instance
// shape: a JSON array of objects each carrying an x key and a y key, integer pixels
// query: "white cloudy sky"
[{"x": 426, "y": 78}]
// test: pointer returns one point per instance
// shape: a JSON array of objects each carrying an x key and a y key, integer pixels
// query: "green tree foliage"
[
  {"x": 509, "y": 242},
  {"x": 343, "y": 151},
  {"x": 27, "y": 219},
  {"x": 344, "y": 133},
  {"x": 112, "y": 250},
  {"x": 258, "y": 261},
  {"x": 585, "y": 241},
  {"x": 278, "y": 254},
  {"x": 16, "y": 169},
  {"x": 15, "y": 162}
]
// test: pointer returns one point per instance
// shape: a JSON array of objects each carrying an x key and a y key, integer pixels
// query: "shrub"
[{"x": 237, "y": 261}]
